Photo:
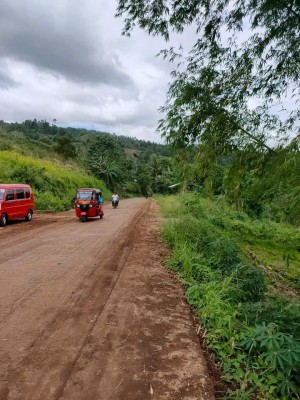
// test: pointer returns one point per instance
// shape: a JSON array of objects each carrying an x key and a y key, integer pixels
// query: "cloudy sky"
[{"x": 67, "y": 60}]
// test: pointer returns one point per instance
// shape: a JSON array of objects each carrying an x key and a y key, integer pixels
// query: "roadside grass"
[
  {"x": 242, "y": 277},
  {"x": 53, "y": 184}
]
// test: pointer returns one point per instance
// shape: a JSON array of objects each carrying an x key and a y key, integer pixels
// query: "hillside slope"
[{"x": 54, "y": 184}]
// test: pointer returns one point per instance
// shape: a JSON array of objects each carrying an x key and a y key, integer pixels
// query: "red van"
[{"x": 16, "y": 201}]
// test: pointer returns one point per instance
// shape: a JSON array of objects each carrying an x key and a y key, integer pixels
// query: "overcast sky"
[{"x": 67, "y": 60}]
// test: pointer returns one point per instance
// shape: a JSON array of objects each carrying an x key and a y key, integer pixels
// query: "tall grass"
[
  {"x": 53, "y": 184},
  {"x": 251, "y": 325}
]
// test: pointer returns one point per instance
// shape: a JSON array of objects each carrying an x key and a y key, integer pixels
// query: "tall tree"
[
  {"x": 106, "y": 159},
  {"x": 107, "y": 169},
  {"x": 65, "y": 147},
  {"x": 209, "y": 101}
]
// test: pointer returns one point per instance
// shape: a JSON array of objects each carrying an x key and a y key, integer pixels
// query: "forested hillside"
[
  {"x": 44, "y": 134},
  {"x": 130, "y": 166},
  {"x": 262, "y": 182},
  {"x": 54, "y": 184}
]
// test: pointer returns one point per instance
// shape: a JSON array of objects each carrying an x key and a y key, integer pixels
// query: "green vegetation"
[
  {"x": 231, "y": 137},
  {"x": 264, "y": 184},
  {"x": 231, "y": 114},
  {"x": 54, "y": 184},
  {"x": 227, "y": 89},
  {"x": 261, "y": 183},
  {"x": 237, "y": 256},
  {"x": 130, "y": 166},
  {"x": 241, "y": 275}
]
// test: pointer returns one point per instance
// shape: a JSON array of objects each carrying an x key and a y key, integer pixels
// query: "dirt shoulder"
[{"x": 89, "y": 312}]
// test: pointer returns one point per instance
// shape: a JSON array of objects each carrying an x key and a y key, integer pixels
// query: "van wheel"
[
  {"x": 29, "y": 216},
  {"x": 3, "y": 220}
]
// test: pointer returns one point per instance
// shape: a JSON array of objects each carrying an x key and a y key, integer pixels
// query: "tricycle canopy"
[
  {"x": 87, "y": 204},
  {"x": 87, "y": 193}
]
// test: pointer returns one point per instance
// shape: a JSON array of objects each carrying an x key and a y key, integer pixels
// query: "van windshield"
[
  {"x": 2, "y": 191},
  {"x": 84, "y": 195}
]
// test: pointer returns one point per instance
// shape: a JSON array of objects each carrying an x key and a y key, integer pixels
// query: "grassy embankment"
[
  {"x": 53, "y": 183},
  {"x": 242, "y": 276}
]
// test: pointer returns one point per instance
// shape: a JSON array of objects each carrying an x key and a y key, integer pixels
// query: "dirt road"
[{"x": 87, "y": 311}]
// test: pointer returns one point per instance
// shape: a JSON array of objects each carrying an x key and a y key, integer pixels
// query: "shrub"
[
  {"x": 251, "y": 283},
  {"x": 252, "y": 333},
  {"x": 223, "y": 253}
]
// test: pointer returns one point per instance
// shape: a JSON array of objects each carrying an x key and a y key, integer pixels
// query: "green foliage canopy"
[
  {"x": 124, "y": 163},
  {"x": 105, "y": 158},
  {"x": 65, "y": 147},
  {"x": 209, "y": 101}
]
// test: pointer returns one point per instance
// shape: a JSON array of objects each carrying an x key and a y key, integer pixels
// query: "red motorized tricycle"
[{"x": 88, "y": 203}]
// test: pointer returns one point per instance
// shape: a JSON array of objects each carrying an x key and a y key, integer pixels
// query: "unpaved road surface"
[{"x": 87, "y": 311}]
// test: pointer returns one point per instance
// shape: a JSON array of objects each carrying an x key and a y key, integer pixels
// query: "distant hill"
[
  {"x": 40, "y": 138},
  {"x": 129, "y": 165}
]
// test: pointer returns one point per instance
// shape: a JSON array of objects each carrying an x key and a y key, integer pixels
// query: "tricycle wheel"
[
  {"x": 83, "y": 219},
  {"x": 101, "y": 216}
]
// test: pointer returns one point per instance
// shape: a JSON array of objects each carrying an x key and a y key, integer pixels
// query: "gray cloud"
[
  {"x": 72, "y": 64},
  {"x": 6, "y": 81},
  {"x": 59, "y": 39}
]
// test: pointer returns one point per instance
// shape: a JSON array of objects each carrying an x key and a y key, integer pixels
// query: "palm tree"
[{"x": 108, "y": 170}]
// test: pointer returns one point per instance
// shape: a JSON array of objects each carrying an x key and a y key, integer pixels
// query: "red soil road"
[{"x": 89, "y": 312}]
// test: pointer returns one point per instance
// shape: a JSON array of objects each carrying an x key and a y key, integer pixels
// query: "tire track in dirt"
[
  {"x": 19, "y": 252},
  {"x": 109, "y": 323},
  {"x": 120, "y": 260},
  {"x": 143, "y": 345},
  {"x": 83, "y": 300}
]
